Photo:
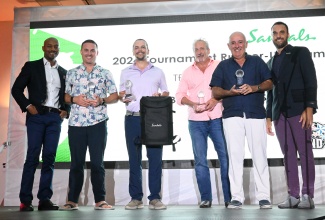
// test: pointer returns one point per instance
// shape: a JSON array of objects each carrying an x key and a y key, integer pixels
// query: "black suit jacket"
[
  {"x": 296, "y": 87},
  {"x": 33, "y": 77}
]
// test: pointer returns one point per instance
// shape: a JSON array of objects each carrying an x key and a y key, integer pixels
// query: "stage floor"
[{"x": 177, "y": 212}]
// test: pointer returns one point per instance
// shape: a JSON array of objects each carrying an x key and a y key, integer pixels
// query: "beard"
[
  {"x": 280, "y": 45},
  {"x": 141, "y": 58},
  {"x": 51, "y": 56},
  {"x": 200, "y": 59}
]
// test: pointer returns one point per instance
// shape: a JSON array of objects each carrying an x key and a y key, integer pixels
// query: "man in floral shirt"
[{"x": 87, "y": 87}]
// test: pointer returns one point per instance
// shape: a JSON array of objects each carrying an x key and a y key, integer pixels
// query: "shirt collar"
[
  {"x": 46, "y": 62},
  {"x": 286, "y": 49},
  {"x": 150, "y": 65},
  {"x": 83, "y": 67},
  {"x": 246, "y": 56},
  {"x": 210, "y": 61}
]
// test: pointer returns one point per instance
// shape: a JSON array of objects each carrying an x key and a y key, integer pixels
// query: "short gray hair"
[{"x": 202, "y": 40}]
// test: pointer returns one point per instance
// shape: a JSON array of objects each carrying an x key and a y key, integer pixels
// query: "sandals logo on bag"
[{"x": 318, "y": 135}]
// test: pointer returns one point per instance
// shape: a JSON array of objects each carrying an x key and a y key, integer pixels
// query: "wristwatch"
[
  {"x": 103, "y": 103},
  {"x": 71, "y": 99},
  {"x": 258, "y": 88}
]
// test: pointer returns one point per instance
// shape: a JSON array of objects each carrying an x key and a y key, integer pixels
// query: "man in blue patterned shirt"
[{"x": 87, "y": 87}]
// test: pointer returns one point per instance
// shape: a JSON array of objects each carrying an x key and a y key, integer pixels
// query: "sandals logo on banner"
[{"x": 318, "y": 135}]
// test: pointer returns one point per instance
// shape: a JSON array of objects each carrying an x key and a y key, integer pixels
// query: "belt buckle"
[
  {"x": 135, "y": 113},
  {"x": 46, "y": 109},
  {"x": 53, "y": 110},
  {"x": 132, "y": 113}
]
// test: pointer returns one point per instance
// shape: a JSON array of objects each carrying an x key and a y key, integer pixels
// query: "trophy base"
[
  {"x": 129, "y": 97},
  {"x": 237, "y": 86},
  {"x": 200, "y": 108}
]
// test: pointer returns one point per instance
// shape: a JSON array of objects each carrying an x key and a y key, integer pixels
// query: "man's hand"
[
  {"x": 245, "y": 89},
  {"x": 122, "y": 98},
  {"x": 81, "y": 100},
  {"x": 210, "y": 104},
  {"x": 269, "y": 127},
  {"x": 306, "y": 118},
  {"x": 32, "y": 110},
  {"x": 63, "y": 114},
  {"x": 198, "y": 108},
  {"x": 233, "y": 91},
  {"x": 95, "y": 102}
]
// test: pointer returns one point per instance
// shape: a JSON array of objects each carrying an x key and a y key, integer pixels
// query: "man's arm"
[
  {"x": 79, "y": 100},
  {"x": 112, "y": 98},
  {"x": 307, "y": 118},
  {"x": 308, "y": 72},
  {"x": 269, "y": 130},
  {"x": 269, "y": 103},
  {"x": 165, "y": 94},
  {"x": 186, "y": 101},
  {"x": 262, "y": 87},
  {"x": 309, "y": 78},
  {"x": 220, "y": 93},
  {"x": 19, "y": 86}
]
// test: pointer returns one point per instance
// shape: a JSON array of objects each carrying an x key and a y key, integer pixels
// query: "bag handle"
[{"x": 176, "y": 139}]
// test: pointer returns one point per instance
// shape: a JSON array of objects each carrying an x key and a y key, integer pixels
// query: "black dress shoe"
[
  {"x": 24, "y": 207},
  {"x": 47, "y": 205},
  {"x": 226, "y": 204},
  {"x": 205, "y": 204}
]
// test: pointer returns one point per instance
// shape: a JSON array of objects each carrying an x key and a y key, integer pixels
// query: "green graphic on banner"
[{"x": 37, "y": 38}]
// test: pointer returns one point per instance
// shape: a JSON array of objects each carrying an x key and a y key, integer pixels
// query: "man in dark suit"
[
  {"x": 291, "y": 105},
  {"x": 45, "y": 107}
]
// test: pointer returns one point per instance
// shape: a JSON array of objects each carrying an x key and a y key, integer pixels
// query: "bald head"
[
  {"x": 51, "y": 49},
  {"x": 237, "y": 34},
  {"x": 237, "y": 45}
]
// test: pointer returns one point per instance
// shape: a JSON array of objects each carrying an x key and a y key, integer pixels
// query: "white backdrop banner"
[{"x": 170, "y": 47}]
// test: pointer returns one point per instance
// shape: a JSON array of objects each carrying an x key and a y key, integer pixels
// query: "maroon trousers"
[{"x": 293, "y": 139}]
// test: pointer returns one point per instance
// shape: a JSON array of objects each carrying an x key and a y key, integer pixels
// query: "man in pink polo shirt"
[{"x": 204, "y": 120}]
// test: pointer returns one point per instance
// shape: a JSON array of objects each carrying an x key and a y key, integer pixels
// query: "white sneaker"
[
  {"x": 156, "y": 204},
  {"x": 306, "y": 202},
  {"x": 235, "y": 204},
  {"x": 290, "y": 203},
  {"x": 265, "y": 204},
  {"x": 134, "y": 204}
]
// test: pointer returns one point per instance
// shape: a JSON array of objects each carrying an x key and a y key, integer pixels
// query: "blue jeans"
[
  {"x": 200, "y": 131},
  {"x": 154, "y": 154},
  {"x": 43, "y": 133},
  {"x": 94, "y": 137}
]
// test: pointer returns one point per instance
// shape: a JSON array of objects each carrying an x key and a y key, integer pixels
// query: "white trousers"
[{"x": 236, "y": 128}]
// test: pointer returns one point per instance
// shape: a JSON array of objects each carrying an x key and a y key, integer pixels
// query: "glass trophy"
[
  {"x": 128, "y": 91},
  {"x": 240, "y": 78},
  {"x": 201, "y": 105},
  {"x": 91, "y": 90}
]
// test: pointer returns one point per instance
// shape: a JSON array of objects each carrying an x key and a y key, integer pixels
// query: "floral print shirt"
[{"x": 100, "y": 82}]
